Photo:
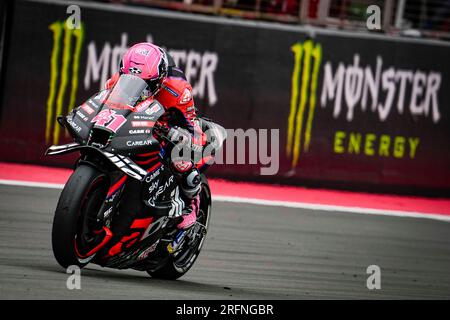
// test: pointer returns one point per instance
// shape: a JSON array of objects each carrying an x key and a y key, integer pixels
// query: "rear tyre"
[
  {"x": 81, "y": 198},
  {"x": 177, "y": 266}
]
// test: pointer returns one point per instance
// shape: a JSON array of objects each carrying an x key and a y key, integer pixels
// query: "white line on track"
[
  {"x": 32, "y": 184},
  {"x": 273, "y": 203},
  {"x": 333, "y": 208}
]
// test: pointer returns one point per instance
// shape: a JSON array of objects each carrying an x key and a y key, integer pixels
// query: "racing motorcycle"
[{"x": 124, "y": 161}]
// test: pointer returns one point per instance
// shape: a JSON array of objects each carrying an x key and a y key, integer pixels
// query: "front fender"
[{"x": 125, "y": 164}]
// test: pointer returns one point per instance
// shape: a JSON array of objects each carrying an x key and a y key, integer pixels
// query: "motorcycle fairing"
[
  {"x": 123, "y": 163},
  {"x": 130, "y": 130}
]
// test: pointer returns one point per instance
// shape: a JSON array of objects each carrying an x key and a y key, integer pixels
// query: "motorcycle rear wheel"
[{"x": 177, "y": 266}]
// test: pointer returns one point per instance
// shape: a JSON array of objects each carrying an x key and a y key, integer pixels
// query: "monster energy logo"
[
  {"x": 64, "y": 70},
  {"x": 307, "y": 59}
]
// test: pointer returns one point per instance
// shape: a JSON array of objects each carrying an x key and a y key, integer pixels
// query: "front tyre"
[
  {"x": 82, "y": 196},
  {"x": 177, "y": 266}
]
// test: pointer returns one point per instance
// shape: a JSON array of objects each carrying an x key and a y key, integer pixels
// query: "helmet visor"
[{"x": 153, "y": 86}]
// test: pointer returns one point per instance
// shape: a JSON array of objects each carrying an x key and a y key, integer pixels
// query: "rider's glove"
[{"x": 179, "y": 135}]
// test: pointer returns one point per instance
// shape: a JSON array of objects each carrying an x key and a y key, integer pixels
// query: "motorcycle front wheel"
[{"x": 81, "y": 198}]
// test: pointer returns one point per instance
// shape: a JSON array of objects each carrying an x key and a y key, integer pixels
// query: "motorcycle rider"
[{"x": 168, "y": 85}]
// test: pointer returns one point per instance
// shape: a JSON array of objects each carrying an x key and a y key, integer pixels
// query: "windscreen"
[{"x": 126, "y": 92}]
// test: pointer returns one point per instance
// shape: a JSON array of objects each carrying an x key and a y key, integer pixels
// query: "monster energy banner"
[{"x": 351, "y": 112}]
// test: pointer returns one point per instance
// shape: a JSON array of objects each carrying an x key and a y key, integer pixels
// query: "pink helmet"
[{"x": 146, "y": 61}]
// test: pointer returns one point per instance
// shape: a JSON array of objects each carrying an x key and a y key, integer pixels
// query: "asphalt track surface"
[{"x": 251, "y": 252}]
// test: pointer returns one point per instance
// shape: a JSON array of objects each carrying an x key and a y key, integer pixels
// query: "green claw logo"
[
  {"x": 307, "y": 60},
  {"x": 64, "y": 70}
]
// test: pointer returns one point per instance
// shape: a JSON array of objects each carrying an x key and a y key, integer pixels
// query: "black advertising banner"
[{"x": 351, "y": 111}]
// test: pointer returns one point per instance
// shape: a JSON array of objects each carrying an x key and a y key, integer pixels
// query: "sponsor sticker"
[
  {"x": 139, "y": 143},
  {"x": 147, "y": 251},
  {"x": 154, "y": 175},
  {"x": 87, "y": 108},
  {"x": 143, "y": 105},
  {"x": 135, "y": 70},
  {"x": 153, "y": 186},
  {"x": 143, "y": 52},
  {"x": 186, "y": 97},
  {"x": 144, "y": 124},
  {"x": 172, "y": 92},
  {"x": 140, "y": 131},
  {"x": 142, "y": 117},
  {"x": 76, "y": 127},
  {"x": 153, "y": 109},
  {"x": 81, "y": 115}
]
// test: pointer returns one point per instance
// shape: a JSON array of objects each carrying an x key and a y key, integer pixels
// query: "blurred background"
[
  {"x": 358, "y": 90},
  {"x": 418, "y": 18}
]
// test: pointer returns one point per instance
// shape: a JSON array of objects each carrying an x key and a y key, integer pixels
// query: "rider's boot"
[
  {"x": 189, "y": 214},
  {"x": 190, "y": 185}
]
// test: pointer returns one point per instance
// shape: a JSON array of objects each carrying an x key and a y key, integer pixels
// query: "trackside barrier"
[{"x": 358, "y": 112}]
